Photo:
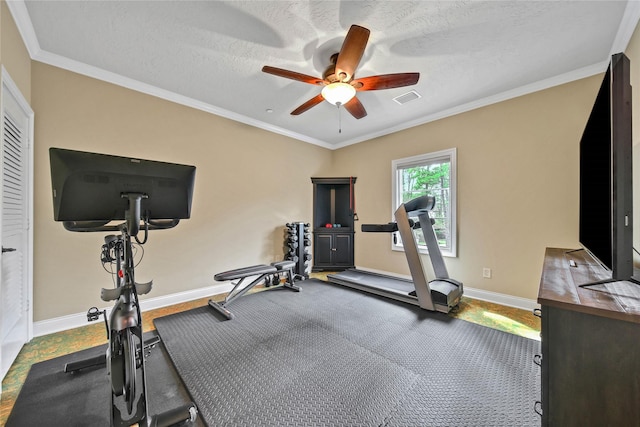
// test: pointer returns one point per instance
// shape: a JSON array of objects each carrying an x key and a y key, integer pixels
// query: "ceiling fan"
[{"x": 340, "y": 86}]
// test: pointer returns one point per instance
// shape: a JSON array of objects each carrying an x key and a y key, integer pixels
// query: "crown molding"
[
  {"x": 489, "y": 100},
  {"x": 21, "y": 17},
  {"x": 628, "y": 25},
  {"x": 138, "y": 86}
]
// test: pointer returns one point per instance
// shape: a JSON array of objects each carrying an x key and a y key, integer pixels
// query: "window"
[{"x": 431, "y": 174}]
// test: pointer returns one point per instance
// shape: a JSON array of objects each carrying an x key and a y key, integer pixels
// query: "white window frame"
[{"x": 422, "y": 159}]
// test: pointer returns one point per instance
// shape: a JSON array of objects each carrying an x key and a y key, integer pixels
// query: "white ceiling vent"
[{"x": 409, "y": 96}]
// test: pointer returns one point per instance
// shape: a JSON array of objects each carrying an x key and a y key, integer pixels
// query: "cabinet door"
[
  {"x": 343, "y": 255},
  {"x": 322, "y": 249},
  {"x": 593, "y": 370}
]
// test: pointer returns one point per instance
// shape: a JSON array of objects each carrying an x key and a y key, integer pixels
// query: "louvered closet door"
[{"x": 14, "y": 286}]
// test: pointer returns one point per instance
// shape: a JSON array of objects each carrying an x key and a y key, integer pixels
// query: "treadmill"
[{"x": 440, "y": 294}]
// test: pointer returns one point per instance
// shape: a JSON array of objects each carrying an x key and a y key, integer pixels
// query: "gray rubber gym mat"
[
  {"x": 52, "y": 398},
  {"x": 333, "y": 356}
]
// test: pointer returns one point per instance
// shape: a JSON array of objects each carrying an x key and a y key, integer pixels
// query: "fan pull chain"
[{"x": 339, "y": 117}]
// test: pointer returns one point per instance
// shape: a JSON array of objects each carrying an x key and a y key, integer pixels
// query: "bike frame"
[{"x": 125, "y": 358}]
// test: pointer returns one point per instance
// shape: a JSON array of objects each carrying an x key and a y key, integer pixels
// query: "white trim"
[
  {"x": 50, "y": 326},
  {"x": 561, "y": 79},
  {"x": 25, "y": 27},
  {"x": 502, "y": 299},
  {"x": 71, "y": 321},
  {"x": 627, "y": 27},
  {"x": 138, "y": 86},
  {"x": 12, "y": 87},
  {"x": 22, "y": 19},
  {"x": 100, "y": 74},
  {"x": 9, "y": 89},
  {"x": 478, "y": 294}
]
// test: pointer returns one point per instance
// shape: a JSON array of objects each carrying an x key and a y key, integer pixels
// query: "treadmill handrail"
[
  {"x": 391, "y": 227},
  {"x": 418, "y": 205},
  {"x": 380, "y": 228}
]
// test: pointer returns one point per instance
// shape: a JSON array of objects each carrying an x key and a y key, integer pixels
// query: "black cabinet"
[
  {"x": 333, "y": 223},
  {"x": 332, "y": 250}
]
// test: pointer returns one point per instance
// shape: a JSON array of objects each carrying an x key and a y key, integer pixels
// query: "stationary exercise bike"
[
  {"x": 101, "y": 193},
  {"x": 126, "y": 352}
]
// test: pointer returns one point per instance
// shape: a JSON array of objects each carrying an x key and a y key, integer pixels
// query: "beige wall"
[
  {"x": 517, "y": 185},
  {"x": 13, "y": 53},
  {"x": 249, "y": 183},
  {"x": 522, "y": 154}
]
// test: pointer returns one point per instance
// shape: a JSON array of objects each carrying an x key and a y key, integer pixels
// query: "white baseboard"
[
  {"x": 502, "y": 299},
  {"x": 71, "y": 321},
  {"x": 479, "y": 294}
]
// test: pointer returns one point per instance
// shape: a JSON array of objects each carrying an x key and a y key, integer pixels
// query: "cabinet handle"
[
  {"x": 537, "y": 359},
  {"x": 537, "y": 407},
  {"x": 333, "y": 249},
  {"x": 537, "y": 312}
]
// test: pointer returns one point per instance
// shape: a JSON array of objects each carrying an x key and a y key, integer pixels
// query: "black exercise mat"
[
  {"x": 333, "y": 356},
  {"x": 51, "y": 397}
]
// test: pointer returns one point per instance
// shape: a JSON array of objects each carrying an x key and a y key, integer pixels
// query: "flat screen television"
[
  {"x": 606, "y": 198},
  {"x": 91, "y": 187}
]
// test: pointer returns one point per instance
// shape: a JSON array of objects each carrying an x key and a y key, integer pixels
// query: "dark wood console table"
[{"x": 590, "y": 344}]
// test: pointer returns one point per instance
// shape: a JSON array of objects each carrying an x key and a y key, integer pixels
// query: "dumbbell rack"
[{"x": 297, "y": 242}]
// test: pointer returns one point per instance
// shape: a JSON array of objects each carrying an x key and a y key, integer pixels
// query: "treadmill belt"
[{"x": 374, "y": 280}]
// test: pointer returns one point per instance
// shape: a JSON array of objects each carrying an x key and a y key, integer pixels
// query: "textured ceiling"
[{"x": 208, "y": 54}]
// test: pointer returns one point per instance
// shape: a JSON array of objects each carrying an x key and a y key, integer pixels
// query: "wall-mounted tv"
[
  {"x": 90, "y": 186},
  {"x": 606, "y": 198}
]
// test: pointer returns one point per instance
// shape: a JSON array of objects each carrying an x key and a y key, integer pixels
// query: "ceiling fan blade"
[
  {"x": 310, "y": 103},
  {"x": 386, "y": 81},
  {"x": 292, "y": 75},
  {"x": 351, "y": 52},
  {"x": 355, "y": 107}
]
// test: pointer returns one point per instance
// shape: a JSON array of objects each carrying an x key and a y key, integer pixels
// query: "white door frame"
[{"x": 8, "y": 86}]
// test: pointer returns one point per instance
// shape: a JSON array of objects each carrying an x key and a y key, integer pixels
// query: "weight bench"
[{"x": 261, "y": 272}]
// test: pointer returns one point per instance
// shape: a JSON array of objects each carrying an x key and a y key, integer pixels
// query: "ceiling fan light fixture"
[
  {"x": 338, "y": 92},
  {"x": 340, "y": 86}
]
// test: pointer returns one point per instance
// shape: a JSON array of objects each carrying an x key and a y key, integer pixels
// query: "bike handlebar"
[{"x": 91, "y": 226}]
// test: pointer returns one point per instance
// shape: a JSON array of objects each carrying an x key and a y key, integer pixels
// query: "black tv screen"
[
  {"x": 606, "y": 198},
  {"x": 90, "y": 186}
]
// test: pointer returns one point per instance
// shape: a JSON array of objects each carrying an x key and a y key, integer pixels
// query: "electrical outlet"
[{"x": 486, "y": 273}]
